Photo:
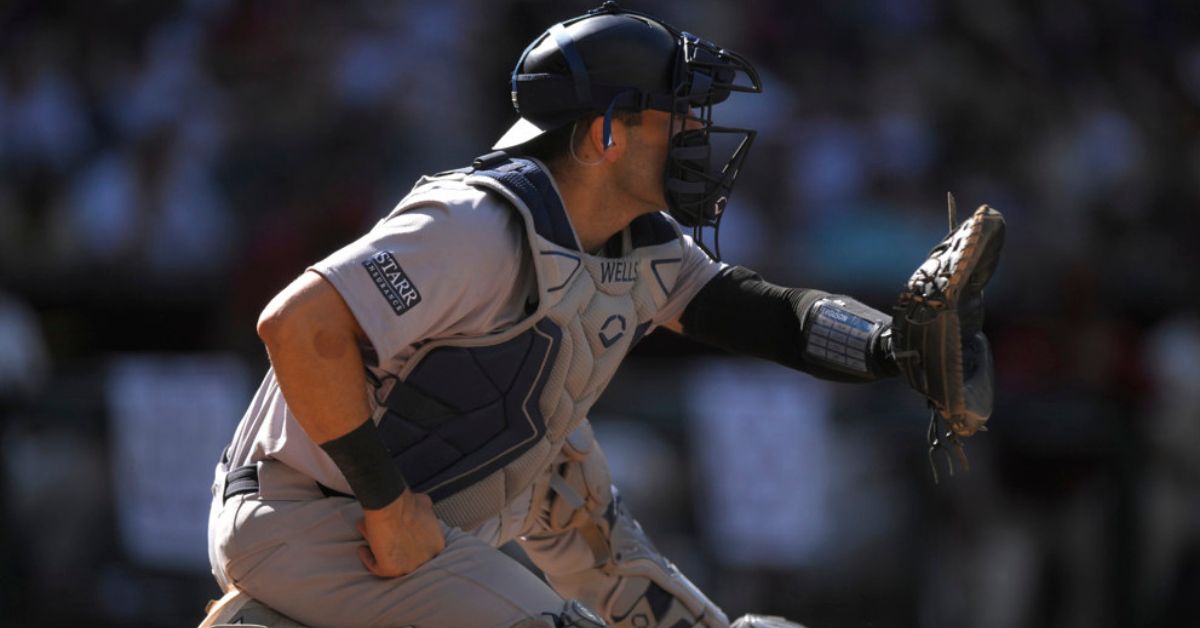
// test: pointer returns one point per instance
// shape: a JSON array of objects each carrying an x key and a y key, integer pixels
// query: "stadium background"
[{"x": 165, "y": 167}]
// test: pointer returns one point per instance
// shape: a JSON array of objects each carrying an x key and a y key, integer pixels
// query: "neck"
[{"x": 594, "y": 209}]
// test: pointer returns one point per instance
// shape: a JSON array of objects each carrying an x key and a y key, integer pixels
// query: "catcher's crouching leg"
[
  {"x": 593, "y": 550},
  {"x": 237, "y": 608}
]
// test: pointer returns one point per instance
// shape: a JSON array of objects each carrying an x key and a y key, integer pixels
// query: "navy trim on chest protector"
[
  {"x": 465, "y": 412},
  {"x": 534, "y": 187},
  {"x": 650, "y": 230}
]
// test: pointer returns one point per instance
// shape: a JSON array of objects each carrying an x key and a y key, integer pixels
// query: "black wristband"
[{"x": 373, "y": 476}]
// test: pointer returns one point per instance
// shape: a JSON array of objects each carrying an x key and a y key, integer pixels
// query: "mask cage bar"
[{"x": 705, "y": 75}]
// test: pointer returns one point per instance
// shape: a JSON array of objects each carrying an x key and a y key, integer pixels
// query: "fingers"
[
  {"x": 364, "y": 551},
  {"x": 381, "y": 566},
  {"x": 368, "y": 559},
  {"x": 373, "y": 565},
  {"x": 398, "y": 544},
  {"x": 366, "y": 555}
]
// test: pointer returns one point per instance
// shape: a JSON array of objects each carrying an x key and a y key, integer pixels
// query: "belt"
[{"x": 244, "y": 480}]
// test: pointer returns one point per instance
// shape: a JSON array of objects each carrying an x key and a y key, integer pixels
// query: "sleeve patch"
[{"x": 399, "y": 291}]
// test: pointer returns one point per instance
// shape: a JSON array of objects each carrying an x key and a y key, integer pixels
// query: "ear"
[{"x": 595, "y": 139}]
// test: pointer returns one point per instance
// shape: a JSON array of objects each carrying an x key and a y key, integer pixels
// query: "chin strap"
[{"x": 698, "y": 236}]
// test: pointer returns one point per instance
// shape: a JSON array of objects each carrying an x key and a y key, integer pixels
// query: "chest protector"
[{"x": 472, "y": 421}]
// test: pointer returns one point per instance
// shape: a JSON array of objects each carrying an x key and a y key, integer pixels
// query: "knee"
[
  {"x": 573, "y": 614},
  {"x": 579, "y": 486}
]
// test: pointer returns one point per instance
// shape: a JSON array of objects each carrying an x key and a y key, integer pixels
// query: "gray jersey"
[{"x": 452, "y": 263}]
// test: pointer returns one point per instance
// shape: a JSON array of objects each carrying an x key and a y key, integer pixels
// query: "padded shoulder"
[{"x": 527, "y": 181}]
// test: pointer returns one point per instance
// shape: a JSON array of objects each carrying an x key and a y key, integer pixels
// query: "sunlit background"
[{"x": 166, "y": 167}]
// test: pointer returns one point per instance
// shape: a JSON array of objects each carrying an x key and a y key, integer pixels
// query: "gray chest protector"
[{"x": 472, "y": 421}]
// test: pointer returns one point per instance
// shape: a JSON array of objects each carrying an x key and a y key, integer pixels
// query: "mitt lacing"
[{"x": 947, "y": 442}]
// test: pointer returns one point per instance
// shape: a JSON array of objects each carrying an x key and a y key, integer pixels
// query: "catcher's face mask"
[
  {"x": 697, "y": 186},
  {"x": 614, "y": 59}
]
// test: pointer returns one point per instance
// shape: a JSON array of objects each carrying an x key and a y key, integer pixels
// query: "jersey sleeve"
[
  {"x": 431, "y": 272},
  {"x": 696, "y": 270}
]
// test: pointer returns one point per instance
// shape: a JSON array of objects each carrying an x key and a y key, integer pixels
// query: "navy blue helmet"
[{"x": 612, "y": 59}]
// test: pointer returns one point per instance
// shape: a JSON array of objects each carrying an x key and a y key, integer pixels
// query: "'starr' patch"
[{"x": 396, "y": 287}]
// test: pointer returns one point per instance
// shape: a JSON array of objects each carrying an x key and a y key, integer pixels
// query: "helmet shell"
[{"x": 605, "y": 55}]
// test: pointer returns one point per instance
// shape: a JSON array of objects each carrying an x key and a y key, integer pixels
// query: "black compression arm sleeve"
[{"x": 739, "y": 312}]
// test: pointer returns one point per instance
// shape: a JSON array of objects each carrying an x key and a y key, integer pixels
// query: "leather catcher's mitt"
[{"x": 936, "y": 333}]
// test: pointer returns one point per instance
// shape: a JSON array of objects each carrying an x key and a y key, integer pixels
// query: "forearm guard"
[{"x": 830, "y": 336}]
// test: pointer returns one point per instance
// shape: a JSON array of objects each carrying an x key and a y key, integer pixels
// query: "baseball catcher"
[{"x": 430, "y": 382}]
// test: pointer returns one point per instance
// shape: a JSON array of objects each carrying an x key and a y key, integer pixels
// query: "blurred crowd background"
[{"x": 166, "y": 167}]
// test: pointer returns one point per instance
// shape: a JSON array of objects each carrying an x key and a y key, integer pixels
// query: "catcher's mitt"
[{"x": 936, "y": 333}]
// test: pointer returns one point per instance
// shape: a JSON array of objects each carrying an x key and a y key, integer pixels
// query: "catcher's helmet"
[{"x": 613, "y": 59}]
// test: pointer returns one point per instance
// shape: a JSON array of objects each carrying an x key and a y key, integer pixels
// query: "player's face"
[{"x": 646, "y": 160}]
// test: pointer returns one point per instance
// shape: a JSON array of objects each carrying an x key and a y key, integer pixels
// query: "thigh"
[
  {"x": 591, "y": 548},
  {"x": 313, "y": 574}
]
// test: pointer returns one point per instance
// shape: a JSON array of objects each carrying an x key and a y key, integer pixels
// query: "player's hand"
[{"x": 401, "y": 536}]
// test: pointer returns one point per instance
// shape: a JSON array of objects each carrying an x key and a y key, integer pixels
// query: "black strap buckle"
[
  {"x": 483, "y": 162},
  {"x": 609, "y": 6}
]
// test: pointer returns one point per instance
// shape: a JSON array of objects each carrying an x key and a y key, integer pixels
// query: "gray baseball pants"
[{"x": 295, "y": 550}]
